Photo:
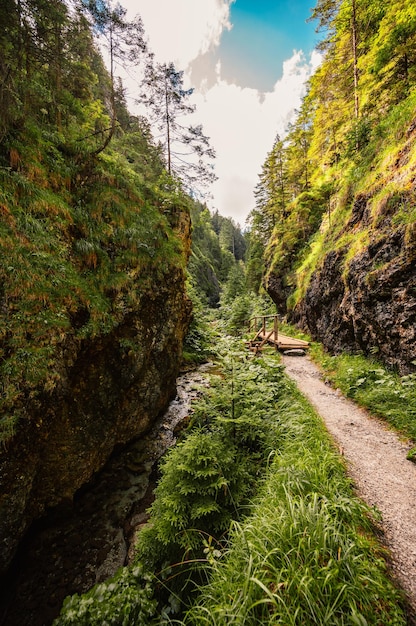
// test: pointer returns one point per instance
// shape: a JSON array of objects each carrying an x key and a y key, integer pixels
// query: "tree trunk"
[
  {"x": 355, "y": 57},
  {"x": 167, "y": 125},
  {"x": 112, "y": 99}
]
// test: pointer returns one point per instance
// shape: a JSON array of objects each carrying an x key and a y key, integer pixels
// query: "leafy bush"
[
  {"x": 123, "y": 600},
  {"x": 208, "y": 477}
]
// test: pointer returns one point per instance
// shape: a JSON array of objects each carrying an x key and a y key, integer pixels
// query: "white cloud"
[
  {"x": 241, "y": 122},
  {"x": 182, "y": 30}
]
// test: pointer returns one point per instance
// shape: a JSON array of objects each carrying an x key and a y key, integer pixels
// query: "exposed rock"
[
  {"x": 363, "y": 302},
  {"x": 371, "y": 306},
  {"x": 278, "y": 291},
  {"x": 294, "y": 352},
  {"x": 113, "y": 389},
  {"x": 76, "y": 545}
]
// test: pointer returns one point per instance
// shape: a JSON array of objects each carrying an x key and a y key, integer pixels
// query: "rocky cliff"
[
  {"x": 370, "y": 308},
  {"x": 112, "y": 387},
  {"x": 354, "y": 289}
]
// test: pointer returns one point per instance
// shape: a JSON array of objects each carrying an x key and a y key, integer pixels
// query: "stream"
[{"x": 85, "y": 541}]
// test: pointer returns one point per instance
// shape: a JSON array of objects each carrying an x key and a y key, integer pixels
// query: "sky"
[{"x": 248, "y": 61}]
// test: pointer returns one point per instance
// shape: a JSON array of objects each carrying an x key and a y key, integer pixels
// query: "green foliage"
[
  {"x": 83, "y": 238},
  {"x": 125, "y": 599},
  {"x": 236, "y": 313},
  {"x": 206, "y": 256},
  {"x": 302, "y": 555},
  {"x": 353, "y": 134},
  {"x": 411, "y": 455},
  {"x": 202, "y": 478},
  {"x": 217, "y": 248},
  {"x": 254, "y": 520},
  {"x": 235, "y": 284},
  {"x": 239, "y": 311},
  {"x": 254, "y": 262},
  {"x": 209, "y": 476},
  {"x": 196, "y": 347}
]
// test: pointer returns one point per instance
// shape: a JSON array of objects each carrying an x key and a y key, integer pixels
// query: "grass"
[
  {"x": 255, "y": 521},
  {"x": 306, "y": 554}
]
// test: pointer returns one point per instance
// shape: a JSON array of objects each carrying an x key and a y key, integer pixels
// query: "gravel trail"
[{"x": 376, "y": 460}]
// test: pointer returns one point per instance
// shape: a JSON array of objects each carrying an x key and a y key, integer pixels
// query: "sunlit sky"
[{"x": 248, "y": 61}]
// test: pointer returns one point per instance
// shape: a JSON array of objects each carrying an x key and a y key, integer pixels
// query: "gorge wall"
[
  {"x": 113, "y": 386},
  {"x": 371, "y": 307},
  {"x": 353, "y": 286}
]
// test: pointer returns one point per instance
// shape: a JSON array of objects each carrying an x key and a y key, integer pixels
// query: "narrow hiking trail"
[{"x": 376, "y": 460}]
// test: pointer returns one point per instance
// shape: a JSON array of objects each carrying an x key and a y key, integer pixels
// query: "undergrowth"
[{"x": 254, "y": 520}]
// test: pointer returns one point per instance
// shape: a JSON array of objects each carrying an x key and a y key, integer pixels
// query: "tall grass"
[
  {"x": 255, "y": 521},
  {"x": 306, "y": 554}
]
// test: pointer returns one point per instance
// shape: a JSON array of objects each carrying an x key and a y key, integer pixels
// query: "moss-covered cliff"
[
  {"x": 91, "y": 334},
  {"x": 340, "y": 191},
  {"x": 353, "y": 286},
  {"x": 94, "y": 241},
  {"x": 362, "y": 294}
]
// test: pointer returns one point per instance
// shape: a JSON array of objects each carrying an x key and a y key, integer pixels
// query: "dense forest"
[{"x": 114, "y": 274}]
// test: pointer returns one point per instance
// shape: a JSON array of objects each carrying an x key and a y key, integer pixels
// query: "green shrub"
[
  {"x": 123, "y": 600},
  {"x": 202, "y": 479}
]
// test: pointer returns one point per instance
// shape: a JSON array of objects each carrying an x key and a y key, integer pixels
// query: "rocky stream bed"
[{"x": 85, "y": 541}]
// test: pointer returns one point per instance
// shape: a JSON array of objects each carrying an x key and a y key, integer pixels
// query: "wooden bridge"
[{"x": 266, "y": 328}]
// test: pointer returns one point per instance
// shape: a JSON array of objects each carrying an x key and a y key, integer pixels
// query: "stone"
[
  {"x": 295, "y": 352},
  {"x": 109, "y": 395}
]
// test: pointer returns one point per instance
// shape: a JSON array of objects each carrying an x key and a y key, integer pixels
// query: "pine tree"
[
  {"x": 125, "y": 43},
  {"x": 187, "y": 149}
]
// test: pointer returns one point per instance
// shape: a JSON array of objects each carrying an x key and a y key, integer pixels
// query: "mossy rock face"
[
  {"x": 115, "y": 386},
  {"x": 362, "y": 296}
]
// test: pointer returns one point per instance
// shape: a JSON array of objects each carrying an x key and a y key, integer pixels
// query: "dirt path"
[{"x": 377, "y": 462}]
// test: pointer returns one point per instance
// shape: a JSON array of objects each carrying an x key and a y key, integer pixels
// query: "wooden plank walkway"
[{"x": 268, "y": 333}]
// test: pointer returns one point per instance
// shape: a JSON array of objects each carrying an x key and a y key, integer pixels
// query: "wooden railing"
[
  {"x": 266, "y": 331},
  {"x": 267, "y": 324}
]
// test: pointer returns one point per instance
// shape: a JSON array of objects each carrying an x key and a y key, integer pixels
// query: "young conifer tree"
[{"x": 187, "y": 150}]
